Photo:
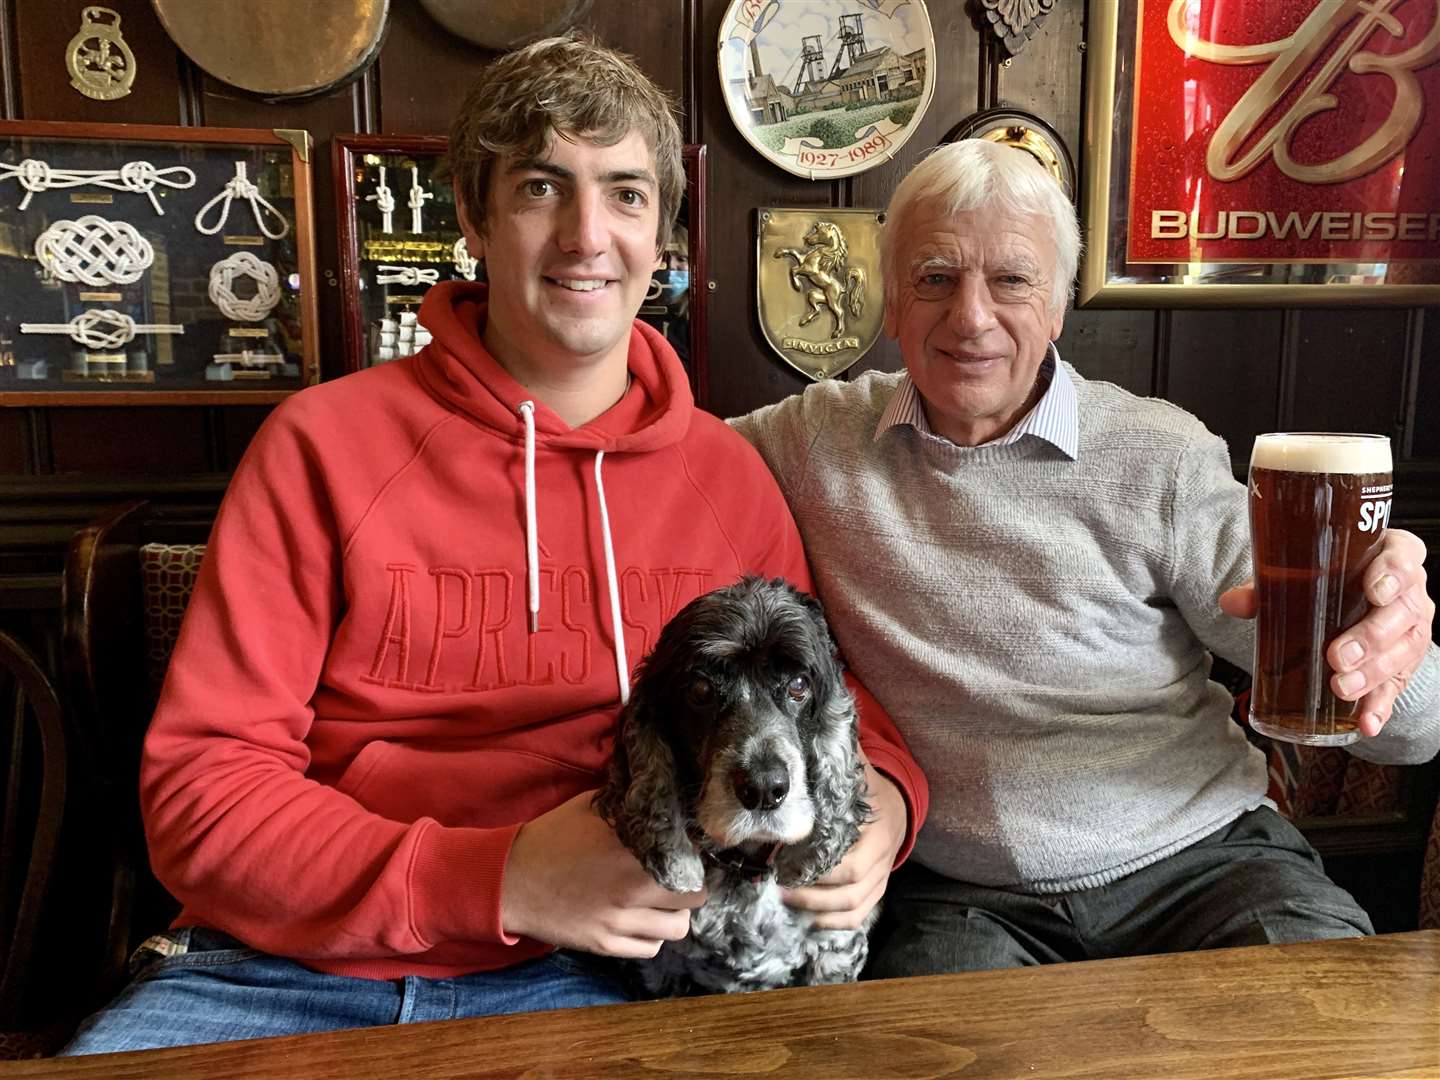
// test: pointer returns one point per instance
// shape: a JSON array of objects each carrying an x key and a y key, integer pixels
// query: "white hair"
[{"x": 976, "y": 174}]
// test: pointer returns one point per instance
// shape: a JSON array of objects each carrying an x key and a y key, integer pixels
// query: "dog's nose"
[{"x": 763, "y": 786}]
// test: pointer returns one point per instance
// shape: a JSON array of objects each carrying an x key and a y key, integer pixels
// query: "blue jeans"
[{"x": 219, "y": 991}]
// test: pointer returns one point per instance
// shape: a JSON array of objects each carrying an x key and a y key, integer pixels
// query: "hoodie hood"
[{"x": 457, "y": 369}]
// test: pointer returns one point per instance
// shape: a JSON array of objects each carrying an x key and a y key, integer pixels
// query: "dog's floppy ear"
[
  {"x": 641, "y": 799},
  {"x": 836, "y": 774}
]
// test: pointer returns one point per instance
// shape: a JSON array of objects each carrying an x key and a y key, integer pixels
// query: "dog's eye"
[
  {"x": 700, "y": 691},
  {"x": 798, "y": 688}
]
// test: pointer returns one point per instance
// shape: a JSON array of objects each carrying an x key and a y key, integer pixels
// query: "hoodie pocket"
[{"x": 475, "y": 788}]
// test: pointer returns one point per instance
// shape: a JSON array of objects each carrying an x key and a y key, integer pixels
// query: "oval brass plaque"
[
  {"x": 505, "y": 24},
  {"x": 277, "y": 48}
]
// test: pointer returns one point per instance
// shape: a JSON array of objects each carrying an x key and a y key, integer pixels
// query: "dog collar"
[{"x": 752, "y": 868}]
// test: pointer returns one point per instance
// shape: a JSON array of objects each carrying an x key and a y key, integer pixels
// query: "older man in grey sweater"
[{"x": 1026, "y": 567}]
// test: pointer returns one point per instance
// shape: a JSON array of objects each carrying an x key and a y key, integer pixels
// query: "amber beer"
[{"x": 1319, "y": 505}]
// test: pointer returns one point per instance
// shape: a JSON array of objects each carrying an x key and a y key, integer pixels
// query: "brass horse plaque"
[{"x": 818, "y": 286}]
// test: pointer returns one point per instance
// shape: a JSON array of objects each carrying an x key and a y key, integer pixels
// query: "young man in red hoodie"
[{"x": 369, "y": 777}]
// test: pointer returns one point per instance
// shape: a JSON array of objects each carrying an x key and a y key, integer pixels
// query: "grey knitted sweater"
[{"x": 1038, "y": 627}]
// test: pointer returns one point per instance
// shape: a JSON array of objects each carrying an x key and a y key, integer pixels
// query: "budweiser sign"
[{"x": 1286, "y": 131}]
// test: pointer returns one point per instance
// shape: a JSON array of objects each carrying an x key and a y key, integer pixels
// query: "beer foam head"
[{"x": 1316, "y": 452}]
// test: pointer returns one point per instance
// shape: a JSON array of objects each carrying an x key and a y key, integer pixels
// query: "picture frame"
[
  {"x": 380, "y": 319},
  {"x": 1229, "y": 167},
  {"x": 149, "y": 264}
]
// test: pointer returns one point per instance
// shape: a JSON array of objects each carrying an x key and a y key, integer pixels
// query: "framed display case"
[
  {"x": 144, "y": 264},
  {"x": 1260, "y": 155},
  {"x": 398, "y": 235},
  {"x": 389, "y": 256}
]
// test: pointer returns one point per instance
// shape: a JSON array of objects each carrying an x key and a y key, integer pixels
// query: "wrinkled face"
[
  {"x": 971, "y": 312},
  {"x": 570, "y": 240}
]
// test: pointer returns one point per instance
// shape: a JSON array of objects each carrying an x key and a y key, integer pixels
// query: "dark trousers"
[{"x": 1253, "y": 882}]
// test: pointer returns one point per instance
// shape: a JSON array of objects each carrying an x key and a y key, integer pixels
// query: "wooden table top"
[{"x": 1345, "y": 1009}]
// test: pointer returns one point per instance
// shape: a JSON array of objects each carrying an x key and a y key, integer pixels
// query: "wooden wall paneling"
[
  {"x": 957, "y": 95},
  {"x": 423, "y": 73},
  {"x": 694, "y": 69},
  {"x": 1425, "y": 429},
  {"x": 1045, "y": 78},
  {"x": 13, "y": 458},
  {"x": 44, "y": 31},
  {"x": 745, "y": 372},
  {"x": 654, "y": 34},
  {"x": 1117, "y": 346},
  {"x": 1348, "y": 371},
  {"x": 1224, "y": 366},
  {"x": 102, "y": 441},
  {"x": 1414, "y": 358},
  {"x": 238, "y": 425},
  {"x": 9, "y": 62}
]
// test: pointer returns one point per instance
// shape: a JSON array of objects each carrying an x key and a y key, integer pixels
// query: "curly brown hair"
[{"x": 567, "y": 87}]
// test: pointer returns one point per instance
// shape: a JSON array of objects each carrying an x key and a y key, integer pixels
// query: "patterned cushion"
[
  {"x": 1325, "y": 781},
  {"x": 167, "y": 573},
  {"x": 1430, "y": 879},
  {"x": 1369, "y": 788}
]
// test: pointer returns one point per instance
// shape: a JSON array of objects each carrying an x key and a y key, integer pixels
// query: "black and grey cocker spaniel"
[{"x": 738, "y": 766}]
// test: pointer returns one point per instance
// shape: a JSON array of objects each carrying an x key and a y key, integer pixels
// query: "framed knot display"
[
  {"x": 388, "y": 262},
  {"x": 110, "y": 298}
]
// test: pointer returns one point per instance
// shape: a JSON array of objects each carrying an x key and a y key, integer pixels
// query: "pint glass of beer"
[{"x": 1319, "y": 504}]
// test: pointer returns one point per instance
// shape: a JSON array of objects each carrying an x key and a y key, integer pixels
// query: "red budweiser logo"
[{"x": 1286, "y": 130}]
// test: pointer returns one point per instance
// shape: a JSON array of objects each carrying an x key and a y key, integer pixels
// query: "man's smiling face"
[
  {"x": 973, "y": 315},
  {"x": 569, "y": 245}
]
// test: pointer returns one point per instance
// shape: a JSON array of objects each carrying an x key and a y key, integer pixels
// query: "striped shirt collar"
[{"x": 1055, "y": 417}]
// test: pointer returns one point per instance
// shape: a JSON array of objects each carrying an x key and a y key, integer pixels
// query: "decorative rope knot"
[
  {"x": 384, "y": 200},
  {"x": 102, "y": 328},
  {"x": 464, "y": 261},
  {"x": 405, "y": 275},
  {"x": 135, "y": 176},
  {"x": 240, "y": 187},
  {"x": 418, "y": 195},
  {"x": 95, "y": 251},
  {"x": 222, "y": 291},
  {"x": 34, "y": 175},
  {"x": 141, "y": 178}
]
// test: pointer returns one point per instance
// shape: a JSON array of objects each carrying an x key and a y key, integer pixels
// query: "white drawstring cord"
[
  {"x": 622, "y": 669},
  {"x": 532, "y": 543}
]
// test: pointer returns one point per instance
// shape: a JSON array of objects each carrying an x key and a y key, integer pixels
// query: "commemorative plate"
[{"x": 825, "y": 89}]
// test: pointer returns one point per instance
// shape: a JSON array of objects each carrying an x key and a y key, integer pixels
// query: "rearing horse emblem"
[
  {"x": 831, "y": 259},
  {"x": 833, "y": 284}
]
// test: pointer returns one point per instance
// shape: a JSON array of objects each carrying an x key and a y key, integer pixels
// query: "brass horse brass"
[
  {"x": 100, "y": 63},
  {"x": 818, "y": 282}
]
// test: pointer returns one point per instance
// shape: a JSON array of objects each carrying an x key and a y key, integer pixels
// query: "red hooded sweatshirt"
[{"x": 356, "y": 719}]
